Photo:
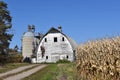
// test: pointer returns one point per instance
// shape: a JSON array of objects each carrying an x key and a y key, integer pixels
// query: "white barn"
[{"x": 54, "y": 46}]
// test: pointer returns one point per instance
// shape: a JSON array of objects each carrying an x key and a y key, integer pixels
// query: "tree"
[
  {"x": 5, "y": 26},
  {"x": 16, "y": 48}
]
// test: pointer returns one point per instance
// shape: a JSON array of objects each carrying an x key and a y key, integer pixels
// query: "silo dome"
[{"x": 28, "y": 34}]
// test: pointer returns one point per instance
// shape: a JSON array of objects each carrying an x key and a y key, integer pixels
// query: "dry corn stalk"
[{"x": 99, "y": 60}]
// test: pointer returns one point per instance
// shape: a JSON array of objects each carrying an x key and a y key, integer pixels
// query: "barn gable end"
[{"x": 57, "y": 46}]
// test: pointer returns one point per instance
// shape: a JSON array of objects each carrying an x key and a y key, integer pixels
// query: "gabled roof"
[{"x": 53, "y": 30}]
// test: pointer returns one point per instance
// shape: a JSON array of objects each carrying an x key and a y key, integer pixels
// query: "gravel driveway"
[
  {"x": 26, "y": 73},
  {"x": 16, "y": 70}
]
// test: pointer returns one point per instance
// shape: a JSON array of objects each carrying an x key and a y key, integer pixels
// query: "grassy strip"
[
  {"x": 11, "y": 66},
  {"x": 40, "y": 75},
  {"x": 59, "y": 71},
  {"x": 19, "y": 72}
]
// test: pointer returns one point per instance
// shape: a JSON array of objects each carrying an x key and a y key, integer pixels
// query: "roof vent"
[{"x": 60, "y": 28}]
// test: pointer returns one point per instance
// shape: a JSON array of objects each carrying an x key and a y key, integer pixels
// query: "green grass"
[
  {"x": 61, "y": 71},
  {"x": 11, "y": 66}
]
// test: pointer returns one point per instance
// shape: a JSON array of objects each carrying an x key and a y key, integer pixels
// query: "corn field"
[{"x": 99, "y": 59}]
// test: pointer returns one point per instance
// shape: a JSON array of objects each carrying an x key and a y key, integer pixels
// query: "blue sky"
[{"x": 82, "y": 20}]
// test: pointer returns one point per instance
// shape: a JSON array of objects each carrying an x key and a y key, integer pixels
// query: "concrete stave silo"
[{"x": 28, "y": 43}]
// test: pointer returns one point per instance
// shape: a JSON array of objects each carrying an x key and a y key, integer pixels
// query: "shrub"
[
  {"x": 63, "y": 61},
  {"x": 12, "y": 58},
  {"x": 15, "y": 58},
  {"x": 3, "y": 59},
  {"x": 99, "y": 60}
]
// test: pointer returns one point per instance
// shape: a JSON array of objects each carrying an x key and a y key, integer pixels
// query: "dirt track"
[
  {"x": 24, "y": 73},
  {"x": 16, "y": 70}
]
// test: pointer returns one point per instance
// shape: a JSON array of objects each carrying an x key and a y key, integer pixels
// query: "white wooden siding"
[{"x": 55, "y": 50}]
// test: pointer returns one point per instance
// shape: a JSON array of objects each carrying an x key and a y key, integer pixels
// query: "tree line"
[{"x": 6, "y": 36}]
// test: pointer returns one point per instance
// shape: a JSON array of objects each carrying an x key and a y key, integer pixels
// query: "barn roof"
[
  {"x": 54, "y": 30},
  {"x": 72, "y": 42}
]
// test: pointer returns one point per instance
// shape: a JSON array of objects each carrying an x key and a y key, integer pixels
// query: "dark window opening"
[
  {"x": 67, "y": 56},
  {"x": 45, "y": 39},
  {"x": 63, "y": 39},
  {"x": 55, "y": 39},
  {"x": 46, "y": 57}
]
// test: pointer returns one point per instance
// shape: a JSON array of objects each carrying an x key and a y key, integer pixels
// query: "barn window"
[
  {"x": 63, "y": 39},
  {"x": 45, "y": 39},
  {"x": 46, "y": 57},
  {"x": 67, "y": 56},
  {"x": 55, "y": 39}
]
